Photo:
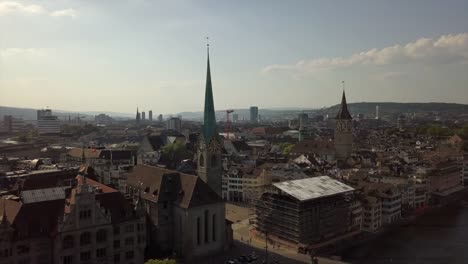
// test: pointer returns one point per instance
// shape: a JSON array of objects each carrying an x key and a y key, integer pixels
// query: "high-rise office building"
[
  {"x": 303, "y": 119},
  {"x": 160, "y": 118},
  {"x": 377, "y": 114},
  {"x": 13, "y": 124},
  {"x": 235, "y": 118},
  {"x": 47, "y": 123},
  {"x": 150, "y": 115},
  {"x": 254, "y": 114},
  {"x": 143, "y": 116},
  {"x": 174, "y": 123}
]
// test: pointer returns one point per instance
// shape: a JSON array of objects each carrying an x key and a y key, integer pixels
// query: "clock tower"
[
  {"x": 209, "y": 165},
  {"x": 343, "y": 132}
]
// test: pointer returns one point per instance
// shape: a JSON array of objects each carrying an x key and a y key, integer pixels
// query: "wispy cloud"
[
  {"x": 64, "y": 13},
  {"x": 30, "y": 52},
  {"x": 446, "y": 49},
  {"x": 392, "y": 75},
  {"x": 9, "y": 7}
]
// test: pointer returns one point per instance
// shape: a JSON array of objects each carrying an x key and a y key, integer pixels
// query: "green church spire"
[{"x": 209, "y": 122}]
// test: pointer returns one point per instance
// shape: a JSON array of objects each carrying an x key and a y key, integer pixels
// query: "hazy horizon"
[{"x": 112, "y": 56}]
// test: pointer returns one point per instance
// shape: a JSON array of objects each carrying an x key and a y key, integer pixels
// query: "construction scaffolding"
[{"x": 295, "y": 222}]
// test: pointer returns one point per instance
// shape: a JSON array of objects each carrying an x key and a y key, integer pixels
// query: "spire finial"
[{"x": 343, "y": 83}]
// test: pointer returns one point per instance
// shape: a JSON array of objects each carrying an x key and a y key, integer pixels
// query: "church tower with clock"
[
  {"x": 343, "y": 132},
  {"x": 209, "y": 167}
]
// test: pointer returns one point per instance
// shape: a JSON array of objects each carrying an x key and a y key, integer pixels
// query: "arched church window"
[
  {"x": 201, "y": 160},
  {"x": 214, "y": 161}
]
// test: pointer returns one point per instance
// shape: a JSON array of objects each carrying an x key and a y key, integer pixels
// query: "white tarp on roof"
[{"x": 312, "y": 188}]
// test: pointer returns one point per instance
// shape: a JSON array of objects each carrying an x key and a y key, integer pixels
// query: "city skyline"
[{"x": 93, "y": 57}]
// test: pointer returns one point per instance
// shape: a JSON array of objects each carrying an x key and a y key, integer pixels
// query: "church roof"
[
  {"x": 159, "y": 184},
  {"x": 343, "y": 113}
]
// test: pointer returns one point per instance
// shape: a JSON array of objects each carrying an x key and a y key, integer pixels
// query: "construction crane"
[{"x": 227, "y": 126}]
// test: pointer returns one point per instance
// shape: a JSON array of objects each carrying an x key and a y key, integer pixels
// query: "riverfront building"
[{"x": 307, "y": 213}]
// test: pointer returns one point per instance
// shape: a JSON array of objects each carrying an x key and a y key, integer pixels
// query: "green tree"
[
  {"x": 176, "y": 152},
  {"x": 161, "y": 261},
  {"x": 286, "y": 148},
  {"x": 464, "y": 131}
]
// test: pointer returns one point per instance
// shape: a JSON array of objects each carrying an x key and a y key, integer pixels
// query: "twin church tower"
[{"x": 210, "y": 144}]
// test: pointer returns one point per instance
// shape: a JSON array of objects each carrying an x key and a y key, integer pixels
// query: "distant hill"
[
  {"x": 31, "y": 114},
  {"x": 368, "y": 108}
]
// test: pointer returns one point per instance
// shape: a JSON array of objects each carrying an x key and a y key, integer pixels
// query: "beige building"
[
  {"x": 86, "y": 222},
  {"x": 372, "y": 214}
]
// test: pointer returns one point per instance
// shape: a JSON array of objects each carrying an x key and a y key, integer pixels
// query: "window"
[
  {"x": 22, "y": 249},
  {"x": 67, "y": 259},
  {"x": 85, "y": 214},
  {"x": 85, "y": 239},
  {"x": 116, "y": 243},
  {"x": 202, "y": 160},
  {"x": 67, "y": 242},
  {"x": 101, "y": 235},
  {"x": 198, "y": 230},
  {"x": 117, "y": 258},
  {"x": 85, "y": 256},
  {"x": 5, "y": 253},
  {"x": 129, "y": 228},
  {"x": 213, "y": 225},
  {"x": 116, "y": 230},
  {"x": 129, "y": 255},
  {"x": 206, "y": 227},
  {"x": 100, "y": 252},
  {"x": 165, "y": 204},
  {"x": 129, "y": 241}
]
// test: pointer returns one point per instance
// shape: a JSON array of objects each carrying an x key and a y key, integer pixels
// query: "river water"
[{"x": 439, "y": 237}]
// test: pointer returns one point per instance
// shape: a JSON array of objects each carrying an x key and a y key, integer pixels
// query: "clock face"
[
  {"x": 342, "y": 125},
  {"x": 214, "y": 146}
]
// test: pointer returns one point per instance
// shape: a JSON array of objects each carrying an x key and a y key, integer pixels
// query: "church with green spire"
[{"x": 209, "y": 166}]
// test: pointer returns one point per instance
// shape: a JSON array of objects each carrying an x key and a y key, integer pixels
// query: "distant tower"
[
  {"x": 137, "y": 117},
  {"x": 254, "y": 114},
  {"x": 143, "y": 116},
  {"x": 303, "y": 118},
  {"x": 377, "y": 114},
  {"x": 343, "y": 131},
  {"x": 209, "y": 147},
  {"x": 150, "y": 115}
]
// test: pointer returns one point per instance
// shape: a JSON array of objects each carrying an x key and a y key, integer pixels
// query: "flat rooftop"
[{"x": 312, "y": 188}]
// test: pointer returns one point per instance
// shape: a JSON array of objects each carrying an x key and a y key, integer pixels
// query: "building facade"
[
  {"x": 86, "y": 222},
  {"x": 304, "y": 213},
  {"x": 174, "y": 123},
  {"x": 47, "y": 123},
  {"x": 254, "y": 114}
]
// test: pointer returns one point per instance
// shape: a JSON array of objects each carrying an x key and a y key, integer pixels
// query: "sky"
[{"x": 115, "y": 55}]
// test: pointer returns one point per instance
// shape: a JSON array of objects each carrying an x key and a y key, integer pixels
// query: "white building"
[
  {"x": 174, "y": 123},
  {"x": 47, "y": 123},
  {"x": 372, "y": 216}
]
